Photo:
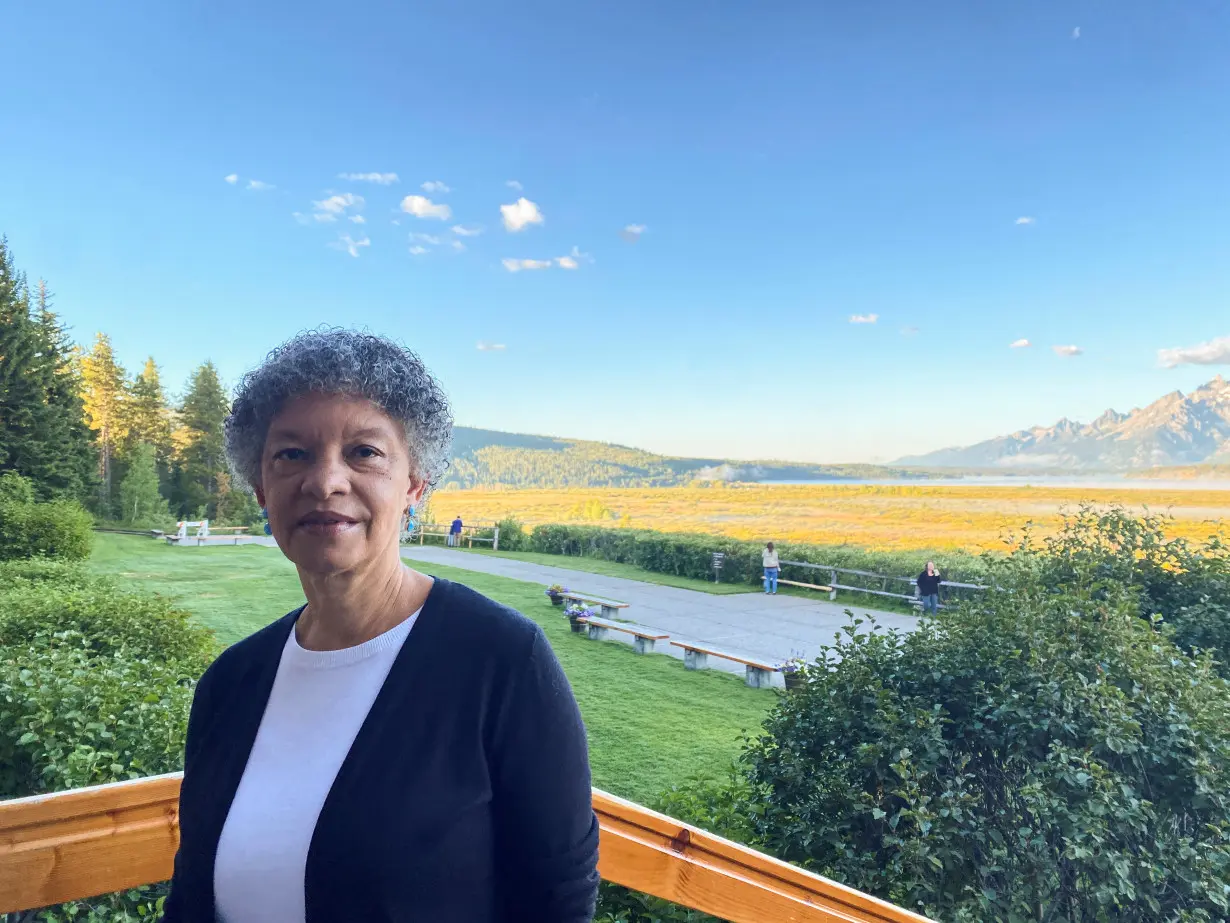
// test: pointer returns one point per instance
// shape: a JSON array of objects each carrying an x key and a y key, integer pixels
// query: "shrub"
[
  {"x": 14, "y": 488},
  {"x": 513, "y": 536},
  {"x": 59, "y": 529},
  {"x": 1042, "y": 752}
]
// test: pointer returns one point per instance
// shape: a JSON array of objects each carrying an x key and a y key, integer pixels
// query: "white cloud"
[
  {"x": 518, "y": 265},
  {"x": 519, "y": 214},
  {"x": 233, "y": 178},
  {"x": 632, "y": 232},
  {"x": 458, "y": 245},
  {"x": 573, "y": 260},
  {"x": 1214, "y": 352},
  {"x": 301, "y": 217},
  {"x": 349, "y": 245},
  {"x": 864, "y": 318},
  {"x": 462, "y": 231},
  {"x": 1024, "y": 219},
  {"x": 434, "y": 186},
  {"x": 484, "y": 347},
  {"x": 417, "y": 250},
  {"x": 1076, "y": 33},
  {"x": 358, "y": 219},
  {"x": 1067, "y": 350},
  {"x": 425, "y": 239},
  {"x": 1022, "y": 343},
  {"x": 258, "y": 186},
  {"x": 423, "y": 207},
  {"x": 384, "y": 179},
  {"x": 330, "y": 209},
  {"x": 513, "y": 184}
]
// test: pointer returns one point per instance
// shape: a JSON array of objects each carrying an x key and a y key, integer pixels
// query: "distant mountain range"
[
  {"x": 1178, "y": 429},
  {"x": 489, "y": 458}
]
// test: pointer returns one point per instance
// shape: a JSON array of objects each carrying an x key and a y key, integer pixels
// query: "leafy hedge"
[
  {"x": 688, "y": 555},
  {"x": 96, "y": 683},
  {"x": 58, "y": 529}
]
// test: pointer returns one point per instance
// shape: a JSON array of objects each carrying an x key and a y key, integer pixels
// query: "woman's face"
[{"x": 336, "y": 479}]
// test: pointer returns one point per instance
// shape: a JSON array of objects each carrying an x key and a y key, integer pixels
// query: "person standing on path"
[
  {"x": 454, "y": 533},
  {"x": 771, "y": 567},
  {"x": 929, "y": 588}
]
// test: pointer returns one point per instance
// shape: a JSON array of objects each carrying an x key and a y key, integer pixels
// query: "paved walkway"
[{"x": 760, "y": 626}]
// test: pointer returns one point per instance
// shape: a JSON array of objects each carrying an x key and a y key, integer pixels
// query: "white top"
[
  {"x": 318, "y": 703},
  {"x": 769, "y": 558}
]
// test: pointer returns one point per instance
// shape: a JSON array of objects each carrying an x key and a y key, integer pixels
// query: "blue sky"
[{"x": 793, "y": 166}]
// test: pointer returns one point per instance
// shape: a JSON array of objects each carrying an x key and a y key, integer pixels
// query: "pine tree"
[
  {"x": 140, "y": 501},
  {"x": 41, "y": 432},
  {"x": 203, "y": 454},
  {"x": 103, "y": 392}
]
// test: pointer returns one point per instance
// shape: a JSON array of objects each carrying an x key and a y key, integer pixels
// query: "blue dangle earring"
[
  {"x": 265, "y": 516},
  {"x": 411, "y": 522}
]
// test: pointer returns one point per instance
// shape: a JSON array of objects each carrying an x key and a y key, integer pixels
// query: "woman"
[
  {"x": 399, "y": 748},
  {"x": 768, "y": 558},
  {"x": 929, "y": 589}
]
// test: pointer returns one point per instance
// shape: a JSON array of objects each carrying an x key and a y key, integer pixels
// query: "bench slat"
[
  {"x": 609, "y": 603},
  {"x": 713, "y": 652},
  {"x": 637, "y": 630}
]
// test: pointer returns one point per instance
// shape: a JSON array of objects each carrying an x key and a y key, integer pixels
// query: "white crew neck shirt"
[{"x": 318, "y": 703}]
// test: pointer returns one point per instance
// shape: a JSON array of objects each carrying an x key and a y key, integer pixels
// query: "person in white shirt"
[{"x": 771, "y": 567}]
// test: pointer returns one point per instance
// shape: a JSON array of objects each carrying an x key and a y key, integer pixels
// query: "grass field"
[
  {"x": 651, "y": 723},
  {"x": 914, "y": 517}
]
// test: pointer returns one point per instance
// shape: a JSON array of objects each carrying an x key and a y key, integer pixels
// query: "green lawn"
[{"x": 651, "y": 723}]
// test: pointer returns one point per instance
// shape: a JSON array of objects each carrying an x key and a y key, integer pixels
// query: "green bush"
[
  {"x": 95, "y": 686},
  {"x": 687, "y": 555},
  {"x": 16, "y": 489},
  {"x": 59, "y": 529},
  {"x": 513, "y": 536},
  {"x": 1041, "y": 753}
]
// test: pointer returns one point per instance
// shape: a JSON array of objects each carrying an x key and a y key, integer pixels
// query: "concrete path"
[{"x": 771, "y": 628}]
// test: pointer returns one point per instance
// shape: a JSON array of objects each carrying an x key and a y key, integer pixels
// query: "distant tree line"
[{"x": 79, "y": 426}]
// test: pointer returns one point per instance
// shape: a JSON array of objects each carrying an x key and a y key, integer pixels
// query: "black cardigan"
[{"x": 465, "y": 797}]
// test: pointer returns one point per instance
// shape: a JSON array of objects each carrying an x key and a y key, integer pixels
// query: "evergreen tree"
[
  {"x": 149, "y": 421},
  {"x": 236, "y": 505},
  {"x": 140, "y": 501},
  {"x": 103, "y": 393},
  {"x": 41, "y": 433},
  {"x": 203, "y": 455}
]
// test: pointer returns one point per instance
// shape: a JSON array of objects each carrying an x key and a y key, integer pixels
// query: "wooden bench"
[
  {"x": 696, "y": 657},
  {"x": 610, "y": 608},
  {"x": 642, "y": 638}
]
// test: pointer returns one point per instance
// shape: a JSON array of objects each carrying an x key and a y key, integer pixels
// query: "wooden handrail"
[{"x": 77, "y": 844}]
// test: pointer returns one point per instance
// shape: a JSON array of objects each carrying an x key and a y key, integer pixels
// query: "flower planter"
[
  {"x": 576, "y": 625},
  {"x": 556, "y": 600},
  {"x": 795, "y": 680}
]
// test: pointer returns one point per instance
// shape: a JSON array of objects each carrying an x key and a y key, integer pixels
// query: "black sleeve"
[
  {"x": 541, "y": 795},
  {"x": 174, "y": 908}
]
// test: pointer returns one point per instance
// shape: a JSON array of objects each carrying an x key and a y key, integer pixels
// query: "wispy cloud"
[
  {"x": 1067, "y": 351},
  {"x": 351, "y": 246},
  {"x": 232, "y": 178},
  {"x": 434, "y": 185},
  {"x": 457, "y": 245},
  {"x": 632, "y": 232},
  {"x": 1214, "y": 352},
  {"x": 520, "y": 214},
  {"x": 572, "y": 260},
  {"x": 1024, "y": 219},
  {"x": 358, "y": 219},
  {"x": 418, "y": 250},
  {"x": 485, "y": 347},
  {"x": 462, "y": 231},
  {"x": 909, "y": 331},
  {"x": 513, "y": 184},
  {"x": 332, "y": 208},
  {"x": 425, "y": 239},
  {"x": 1076, "y": 33},
  {"x": 517, "y": 265},
  {"x": 1022, "y": 343},
  {"x": 864, "y": 318},
  {"x": 383, "y": 179},
  {"x": 258, "y": 186},
  {"x": 423, "y": 207}
]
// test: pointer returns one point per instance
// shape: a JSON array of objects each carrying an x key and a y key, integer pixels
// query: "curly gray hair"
[{"x": 337, "y": 361}]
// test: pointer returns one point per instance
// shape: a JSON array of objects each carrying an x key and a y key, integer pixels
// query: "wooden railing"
[{"x": 77, "y": 844}]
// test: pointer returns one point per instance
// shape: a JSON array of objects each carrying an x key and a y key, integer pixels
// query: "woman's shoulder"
[{"x": 480, "y": 620}]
